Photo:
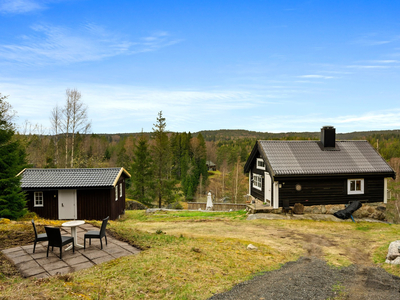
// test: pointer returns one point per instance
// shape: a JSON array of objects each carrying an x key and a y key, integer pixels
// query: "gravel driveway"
[{"x": 312, "y": 278}]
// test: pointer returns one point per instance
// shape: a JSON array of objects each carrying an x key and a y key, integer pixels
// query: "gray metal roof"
[
  {"x": 309, "y": 158},
  {"x": 70, "y": 178}
]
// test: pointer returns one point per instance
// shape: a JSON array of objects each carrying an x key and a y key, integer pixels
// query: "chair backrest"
[
  {"x": 54, "y": 236},
  {"x": 34, "y": 228},
  {"x": 103, "y": 227},
  {"x": 285, "y": 204}
]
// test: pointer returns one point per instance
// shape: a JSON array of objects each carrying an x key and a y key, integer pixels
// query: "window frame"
[
  {"x": 120, "y": 190},
  {"x": 263, "y": 164},
  {"x": 257, "y": 179},
  {"x": 116, "y": 192},
  {"x": 355, "y": 191},
  {"x": 36, "y": 201}
]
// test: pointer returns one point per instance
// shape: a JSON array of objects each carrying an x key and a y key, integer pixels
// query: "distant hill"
[
  {"x": 234, "y": 134},
  {"x": 226, "y": 134}
]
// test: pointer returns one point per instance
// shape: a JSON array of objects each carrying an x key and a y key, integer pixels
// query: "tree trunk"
[
  {"x": 236, "y": 182},
  {"x": 72, "y": 148}
]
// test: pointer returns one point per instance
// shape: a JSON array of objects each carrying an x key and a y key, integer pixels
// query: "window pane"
[
  {"x": 352, "y": 185},
  {"x": 38, "y": 199},
  {"x": 358, "y": 185}
]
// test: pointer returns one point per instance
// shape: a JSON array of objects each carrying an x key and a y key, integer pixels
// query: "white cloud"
[
  {"x": 20, "y": 6},
  {"x": 377, "y": 120},
  {"x": 55, "y": 44},
  {"x": 380, "y": 119},
  {"x": 374, "y": 39},
  {"x": 388, "y": 61},
  {"x": 367, "y": 67},
  {"x": 125, "y": 108},
  {"x": 316, "y": 76}
]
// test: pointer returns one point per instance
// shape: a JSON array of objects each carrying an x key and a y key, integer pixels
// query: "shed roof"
[
  {"x": 71, "y": 178},
  {"x": 310, "y": 158}
]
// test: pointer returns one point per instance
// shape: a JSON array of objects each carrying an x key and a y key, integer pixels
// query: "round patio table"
[{"x": 73, "y": 225}]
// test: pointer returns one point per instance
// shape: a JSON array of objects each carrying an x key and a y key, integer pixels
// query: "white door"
[
  {"x": 67, "y": 204},
  {"x": 268, "y": 187}
]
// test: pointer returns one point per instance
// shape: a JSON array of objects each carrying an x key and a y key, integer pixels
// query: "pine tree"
[
  {"x": 142, "y": 173},
  {"x": 12, "y": 161}
]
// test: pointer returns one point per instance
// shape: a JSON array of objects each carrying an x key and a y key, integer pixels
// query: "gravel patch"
[{"x": 313, "y": 278}]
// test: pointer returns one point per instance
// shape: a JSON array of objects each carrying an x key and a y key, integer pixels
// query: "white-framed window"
[
  {"x": 38, "y": 199},
  {"x": 116, "y": 192},
  {"x": 355, "y": 186},
  {"x": 260, "y": 164},
  {"x": 257, "y": 182},
  {"x": 120, "y": 189}
]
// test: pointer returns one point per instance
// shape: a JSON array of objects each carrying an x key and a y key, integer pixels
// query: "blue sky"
[{"x": 270, "y": 66}]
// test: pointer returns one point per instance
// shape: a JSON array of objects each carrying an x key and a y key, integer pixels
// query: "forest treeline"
[
  {"x": 166, "y": 167},
  {"x": 188, "y": 156}
]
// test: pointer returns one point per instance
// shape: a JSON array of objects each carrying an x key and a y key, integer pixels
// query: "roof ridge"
[
  {"x": 310, "y": 141},
  {"x": 71, "y": 169}
]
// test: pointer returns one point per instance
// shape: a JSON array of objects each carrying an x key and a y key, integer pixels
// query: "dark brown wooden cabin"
[
  {"x": 283, "y": 173},
  {"x": 85, "y": 194}
]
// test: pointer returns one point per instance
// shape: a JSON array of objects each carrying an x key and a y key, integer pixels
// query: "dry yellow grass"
[{"x": 194, "y": 255}]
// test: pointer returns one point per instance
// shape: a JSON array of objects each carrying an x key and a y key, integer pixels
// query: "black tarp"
[{"x": 348, "y": 211}]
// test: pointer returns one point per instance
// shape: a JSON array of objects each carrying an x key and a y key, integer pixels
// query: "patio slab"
[{"x": 38, "y": 265}]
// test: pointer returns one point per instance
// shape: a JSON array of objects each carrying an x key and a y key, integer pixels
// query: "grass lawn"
[{"x": 192, "y": 255}]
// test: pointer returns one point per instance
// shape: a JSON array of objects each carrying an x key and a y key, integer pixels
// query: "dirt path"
[{"x": 312, "y": 278}]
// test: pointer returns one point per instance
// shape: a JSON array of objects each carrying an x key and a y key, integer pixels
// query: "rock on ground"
[{"x": 393, "y": 256}]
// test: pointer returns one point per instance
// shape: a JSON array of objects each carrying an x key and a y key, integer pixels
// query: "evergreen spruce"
[
  {"x": 12, "y": 161},
  {"x": 161, "y": 152},
  {"x": 142, "y": 173}
]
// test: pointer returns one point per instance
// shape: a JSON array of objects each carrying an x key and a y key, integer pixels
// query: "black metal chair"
[
  {"x": 38, "y": 237},
  {"x": 95, "y": 234},
  {"x": 58, "y": 240},
  {"x": 286, "y": 207}
]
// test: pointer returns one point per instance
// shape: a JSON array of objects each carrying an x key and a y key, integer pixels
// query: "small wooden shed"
[
  {"x": 85, "y": 194},
  {"x": 282, "y": 173}
]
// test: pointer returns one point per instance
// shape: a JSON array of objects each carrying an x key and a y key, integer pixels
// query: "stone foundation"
[{"x": 368, "y": 210}]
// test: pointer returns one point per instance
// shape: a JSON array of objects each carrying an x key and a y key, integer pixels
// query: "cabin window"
[
  {"x": 260, "y": 164},
  {"x": 120, "y": 189},
  {"x": 116, "y": 192},
  {"x": 355, "y": 186},
  {"x": 257, "y": 182},
  {"x": 38, "y": 199}
]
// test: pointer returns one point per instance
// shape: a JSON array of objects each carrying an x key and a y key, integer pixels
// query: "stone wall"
[
  {"x": 216, "y": 206},
  {"x": 368, "y": 210}
]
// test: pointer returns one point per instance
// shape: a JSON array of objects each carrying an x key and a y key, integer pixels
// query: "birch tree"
[
  {"x": 74, "y": 119},
  {"x": 55, "y": 121},
  {"x": 79, "y": 118},
  {"x": 66, "y": 124}
]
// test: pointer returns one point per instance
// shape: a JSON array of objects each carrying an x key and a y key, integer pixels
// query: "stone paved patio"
[{"x": 38, "y": 265}]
